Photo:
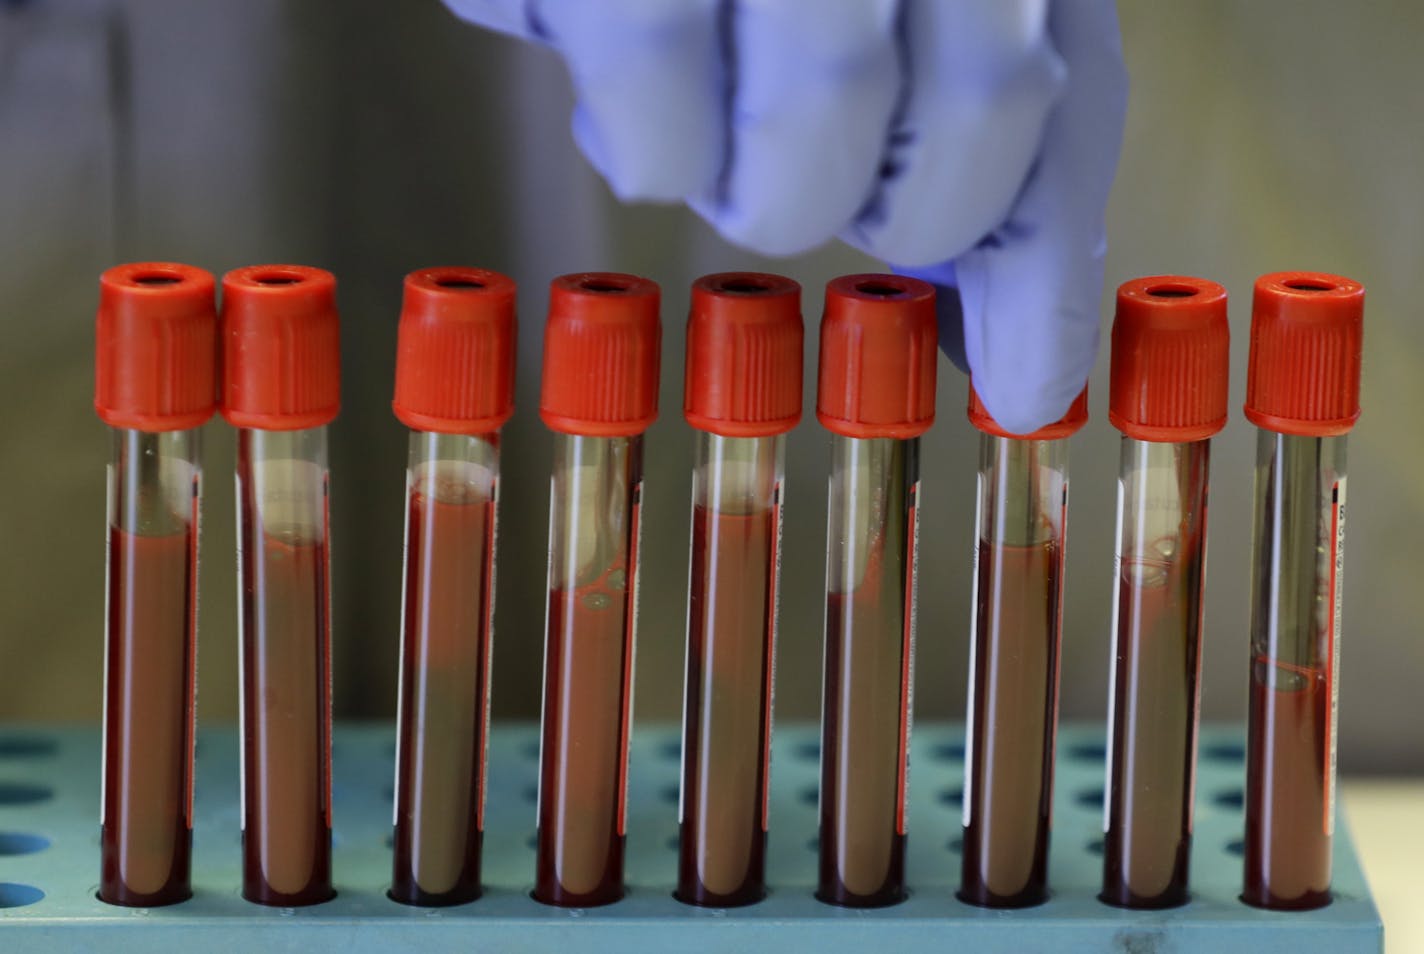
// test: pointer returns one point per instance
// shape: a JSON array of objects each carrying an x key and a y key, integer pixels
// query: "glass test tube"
[
  {"x": 455, "y": 389},
  {"x": 742, "y": 393},
  {"x": 280, "y": 391},
  {"x": 1170, "y": 354},
  {"x": 876, "y": 395},
  {"x": 1013, "y": 681},
  {"x": 602, "y": 328},
  {"x": 154, "y": 385},
  {"x": 1303, "y": 392}
]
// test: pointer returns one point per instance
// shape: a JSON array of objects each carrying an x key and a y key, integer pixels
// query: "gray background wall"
[{"x": 373, "y": 138}]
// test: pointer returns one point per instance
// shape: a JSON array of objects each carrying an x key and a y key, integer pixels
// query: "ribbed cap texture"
[
  {"x": 1171, "y": 357},
  {"x": 1307, "y": 332},
  {"x": 155, "y": 352},
  {"x": 455, "y": 351},
  {"x": 744, "y": 343},
  {"x": 281, "y": 348},
  {"x": 601, "y": 350},
  {"x": 879, "y": 349}
]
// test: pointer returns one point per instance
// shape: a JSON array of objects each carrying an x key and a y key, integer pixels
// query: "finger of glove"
[
  {"x": 815, "y": 90},
  {"x": 650, "y": 82},
  {"x": 982, "y": 80},
  {"x": 1031, "y": 289},
  {"x": 514, "y": 17}
]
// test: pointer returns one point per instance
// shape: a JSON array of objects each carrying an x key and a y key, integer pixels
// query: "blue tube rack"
[{"x": 49, "y": 860}]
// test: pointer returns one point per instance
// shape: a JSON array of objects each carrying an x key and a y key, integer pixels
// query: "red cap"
[
  {"x": 1171, "y": 351},
  {"x": 1303, "y": 376},
  {"x": 1067, "y": 425},
  {"x": 601, "y": 348},
  {"x": 743, "y": 374},
  {"x": 155, "y": 347},
  {"x": 879, "y": 346},
  {"x": 455, "y": 351},
  {"x": 281, "y": 354}
]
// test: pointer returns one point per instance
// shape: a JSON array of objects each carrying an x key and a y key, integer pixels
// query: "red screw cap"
[
  {"x": 1303, "y": 376},
  {"x": 601, "y": 348},
  {"x": 879, "y": 346},
  {"x": 155, "y": 352},
  {"x": 455, "y": 351},
  {"x": 743, "y": 372},
  {"x": 281, "y": 352},
  {"x": 1171, "y": 352},
  {"x": 1066, "y": 426}
]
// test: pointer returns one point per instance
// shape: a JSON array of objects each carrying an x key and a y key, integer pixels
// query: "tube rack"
[{"x": 49, "y": 860}]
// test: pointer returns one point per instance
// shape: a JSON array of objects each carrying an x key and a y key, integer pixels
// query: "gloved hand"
[{"x": 970, "y": 143}]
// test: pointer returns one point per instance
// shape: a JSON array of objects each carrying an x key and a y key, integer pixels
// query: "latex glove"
[{"x": 969, "y": 142}]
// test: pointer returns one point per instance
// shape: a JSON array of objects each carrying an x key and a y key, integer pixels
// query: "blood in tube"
[
  {"x": 1170, "y": 358},
  {"x": 599, "y": 394},
  {"x": 742, "y": 394},
  {"x": 154, "y": 386},
  {"x": 281, "y": 389},
  {"x": 876, "y": 395},
  {"x": 454, "y": 390},
  {"x": 1303, "y": 393}
]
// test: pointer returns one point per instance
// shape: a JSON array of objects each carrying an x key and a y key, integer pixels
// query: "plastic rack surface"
[{"x": 49, "y": 860}]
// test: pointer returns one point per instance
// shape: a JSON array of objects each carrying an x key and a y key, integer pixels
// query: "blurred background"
[{"x": 372, "y": 138}]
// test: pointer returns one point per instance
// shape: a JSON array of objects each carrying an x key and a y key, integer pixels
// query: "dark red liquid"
[
  {"x": 147, "y": 832},
  {"x": 583, "y": 752},
  {"x": 1009, "y": 787},
  {"x": 286, "y": 825},
  {"x": 727, "y": 724},
  {"x": 1149, "y": 834},
  {"x": 1288, "y": 828},
  {"x": 444, "y": 696},
  {"x": 863, "y": 748}
]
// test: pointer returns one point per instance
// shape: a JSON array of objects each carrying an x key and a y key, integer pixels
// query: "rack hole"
[
  {"x": 459, "y": 283},
  {"x": 1090, "y": 798},
  {"x": 1231, "y": 799},
  {"x": 1309, "y": 285},
  {"x": 1089, "y": 752},
  {"x": 809, "y": 751},
  {"x": 14, "y": 895},
  {"x": 953, "y": 796},
  {"x": 950, "y": 751},
  {"x": 1236, "y": 847},
  {"x": 671, "y": 794},
  {"x": 21, "y": 793},
  {"x": 743, "y": 286},
  {"x": 671, "y": 750},
  {"x": 156, "y": 279},
  {"x": 1225, "y": 752},
  {"x": 956, "y": 845},
  {"x": 813, "y": 844},
  {"x": 532, "y": 842},
  {"x": 674, "y": 843},
  {"x": 1094, "y": 847},
  {"x": 26, "y": 746},
  {"x": 1172, "y": 291},
  {"x": 811, "y": 795},
  {"x": 530, "y": 750},
  {"x": 21, "y": 843},
  {"x": 879, "y": 289},
  {"x": 531, "y": 793},
  {"x": 603, "y": 286}
]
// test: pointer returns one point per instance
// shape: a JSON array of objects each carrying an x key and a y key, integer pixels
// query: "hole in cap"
[
  {"x": 879, "y": 289},
  {"x": 1171, "y": 291},
  {"x": 743, "y": 286},
  {"x": 156, "y": 279},
  {"x": 603, "y": 286},
  {"x": 277, "y": 278},
  {"x": 459, "y": 283},
  {"x": 1309, "y": 285}
]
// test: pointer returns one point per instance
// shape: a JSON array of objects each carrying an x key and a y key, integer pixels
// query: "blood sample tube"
[
  {"x": 454, "y": 390},
  {"x": 876, "y": 396},
  {"x": 742, "y": 394},
  {"x": 1303, "y": 392},
  {"x": 154, "y": 386},
  {"x": 599, "y": 394},
  {"x": 1013, "y": 662},
  {"x": 281, "y": 389},
  {"x": 1170, "y": 355}
]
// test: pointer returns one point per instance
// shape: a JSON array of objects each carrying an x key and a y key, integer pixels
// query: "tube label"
[{"x": 1337, "y": 573}]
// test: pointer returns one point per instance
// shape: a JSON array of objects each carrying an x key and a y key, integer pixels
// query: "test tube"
[
  {"x": 1170, "y": 356},
  {"x": 876, "y": 396},
  {"x": 454, "y": 390},
  {"x": 1013, "y": 658},
  {"x": 742, "y": 394},
  {"x": 281, "y": 389},
  {"x": 599, "y": 394},
  {"x": 1303, "y": 392},
  {"x": 154, "y": 386}
]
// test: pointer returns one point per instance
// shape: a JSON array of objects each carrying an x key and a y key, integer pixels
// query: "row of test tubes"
[{"x": 161, "y": 342}]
